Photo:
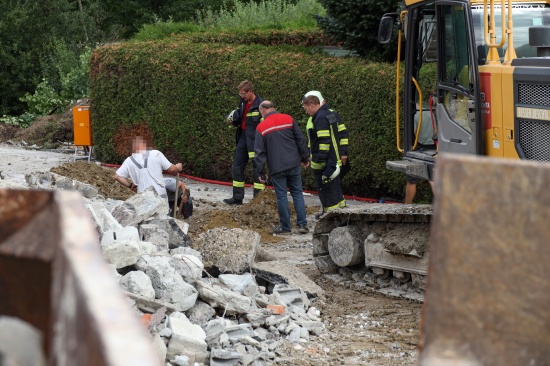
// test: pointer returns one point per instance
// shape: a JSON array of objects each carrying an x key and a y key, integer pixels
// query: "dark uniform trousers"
[
  {"x": 240, "y": 159},
  {"x": 330, "y": 194}
]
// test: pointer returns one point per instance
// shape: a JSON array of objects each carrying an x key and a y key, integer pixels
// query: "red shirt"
[{"x": 246, "y": 108}]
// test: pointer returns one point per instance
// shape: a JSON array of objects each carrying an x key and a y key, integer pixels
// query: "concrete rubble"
[{"x": 199, "y": 319}]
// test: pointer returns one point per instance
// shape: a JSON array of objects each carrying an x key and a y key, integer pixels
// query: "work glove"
[{"x": 331, "y": 171}]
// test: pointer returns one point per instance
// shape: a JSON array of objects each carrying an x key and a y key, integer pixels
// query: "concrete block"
[{"x": 186, "y": 337}]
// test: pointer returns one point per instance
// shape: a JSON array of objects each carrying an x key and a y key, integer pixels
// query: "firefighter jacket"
[
  {"x": 343, "y": 141},
  {"x": 324, "y": 139},
  {"x": 253, "y": 118},
  {"x": 280, "y": 142}
]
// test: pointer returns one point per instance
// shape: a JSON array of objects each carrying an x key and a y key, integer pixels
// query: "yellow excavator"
[{"x": 482, "y": 75}]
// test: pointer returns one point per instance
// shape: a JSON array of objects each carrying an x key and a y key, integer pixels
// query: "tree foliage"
[
  {"x": 355, "y": 23},
  {"x": 43, "y": 42}
]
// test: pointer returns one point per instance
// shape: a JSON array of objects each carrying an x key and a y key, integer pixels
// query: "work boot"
[
  {"x": 280, "y": 231},
  {"x": 232, "y": 201},
  {"x": 302, "y": 229}
]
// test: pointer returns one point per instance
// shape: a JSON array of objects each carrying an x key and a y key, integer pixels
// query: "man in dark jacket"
[
  {"x": 246, "y": 118},
  {"x": 325, "y": 153},
  {"x": 343, "y": 138},
  {"x": 280, "y": 143}
]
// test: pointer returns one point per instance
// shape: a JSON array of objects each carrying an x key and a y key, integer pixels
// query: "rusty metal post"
[
  {"x": 52, "y": 275},
  {"x": 487, "y": 295}
]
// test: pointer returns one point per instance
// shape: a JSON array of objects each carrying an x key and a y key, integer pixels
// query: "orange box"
[
  {"x": 276, "y": 309},
  {"x": 82, "y": 126}
]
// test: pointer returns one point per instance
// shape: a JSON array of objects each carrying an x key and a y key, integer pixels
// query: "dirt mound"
[
  {"x": 49, "y": 131},
  {"x": 259, "y": 215},
  {"x": 7, "y": 132},
  {"x": 96, "y": 175}
]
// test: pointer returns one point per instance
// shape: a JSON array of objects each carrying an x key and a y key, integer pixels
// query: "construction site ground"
[{"x": 363, "y": 327}]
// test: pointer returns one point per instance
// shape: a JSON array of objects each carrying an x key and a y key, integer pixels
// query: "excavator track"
[{"x": 380, "y": 246}]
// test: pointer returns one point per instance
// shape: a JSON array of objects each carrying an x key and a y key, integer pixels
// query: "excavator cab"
[{"x": 440, "y": 77}]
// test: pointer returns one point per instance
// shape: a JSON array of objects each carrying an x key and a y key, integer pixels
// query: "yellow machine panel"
[{"x": 82, "y": 126}]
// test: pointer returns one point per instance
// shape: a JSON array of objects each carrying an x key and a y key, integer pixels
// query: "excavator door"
[{"x": 458, "y": 111}]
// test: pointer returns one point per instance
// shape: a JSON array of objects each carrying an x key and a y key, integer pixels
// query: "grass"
[{"x": 238, "y": 16}]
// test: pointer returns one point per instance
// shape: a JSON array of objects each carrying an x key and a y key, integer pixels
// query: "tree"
[
  {"x": 26, "y": 28},
  {"x": 355, "y": 23}
]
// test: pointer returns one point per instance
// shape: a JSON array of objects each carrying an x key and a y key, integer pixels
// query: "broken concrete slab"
[
  {"x": 200, "y": 313},
  {"x": 121, "y": 253},
  {"x": 188, "y": 266},
  {"x": 102, "y": 217},
  {"x": 137, "y": 282},
  {"x": 231, "y": 302},
  {"x": 228, "y": 250},
  {"x": 49, "y": 180},
  {"x": 244, "y": 284},
  {"x": 150, "y": 306},
  {"x": 141, "y": 207},
  {"x": 154, "y": 234},
  {"x": 292, "y": 296},
  {"x": 167, "y": 282},
  {"x": 186, "y": 251},
  {"x": 186, "y": 338},
  {"x": 176, "y": 229},
  {"x": 221, "y": 357},
  {"x": 277, "y": 272}
]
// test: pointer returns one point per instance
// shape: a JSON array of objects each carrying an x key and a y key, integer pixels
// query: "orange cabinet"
[{"x": 82, "y": 126}]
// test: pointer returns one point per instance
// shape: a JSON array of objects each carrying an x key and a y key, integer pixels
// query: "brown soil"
[
  {"x": 260, "y": 215},
  {"x": 98, "y": 176},
  {"x": 7, "y": 132}
]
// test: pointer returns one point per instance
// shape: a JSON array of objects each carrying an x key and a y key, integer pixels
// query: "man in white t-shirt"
[{"x": 144, "y": 167}]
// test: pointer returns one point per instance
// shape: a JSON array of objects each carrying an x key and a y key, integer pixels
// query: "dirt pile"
[
  {"x": 96, "y": 175},
  {"x": 259, "y": 215}
]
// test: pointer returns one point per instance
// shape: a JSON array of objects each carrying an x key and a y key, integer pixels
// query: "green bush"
[
  {"x": 271, "y": 14},
  {"x": 182, "y": 91},
  {"x": 238, "y": 17},
  {"x": 44, "y": 99}
]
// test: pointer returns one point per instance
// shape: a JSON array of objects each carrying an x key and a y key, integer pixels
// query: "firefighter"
[
  {"x": 246, "y": 118},
  {"x": 325, "y": 152},
  {"x": 343, "y": 141}
]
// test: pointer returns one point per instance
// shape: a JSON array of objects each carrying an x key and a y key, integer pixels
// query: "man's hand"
[
  {"x": 262, "y": 178},
  {"x": 181, "y": 186},
  {"x": 306, "y": 164},
  {"x": 179, "y": 167},
  {"x": 344, "y": 159}
]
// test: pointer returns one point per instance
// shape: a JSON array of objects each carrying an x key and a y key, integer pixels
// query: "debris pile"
[{"x": 206, "y": 301}]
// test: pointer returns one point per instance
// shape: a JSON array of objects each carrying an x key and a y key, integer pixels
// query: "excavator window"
[
  {"x": 457, "y": 73},
  {"x": 525, "y": 15}
]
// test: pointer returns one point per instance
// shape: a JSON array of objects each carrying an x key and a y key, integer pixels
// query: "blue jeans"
[{"x": 291, "y": 178}]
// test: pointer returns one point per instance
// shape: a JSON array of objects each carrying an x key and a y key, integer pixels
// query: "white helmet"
[{"x": 315, "y": 93}]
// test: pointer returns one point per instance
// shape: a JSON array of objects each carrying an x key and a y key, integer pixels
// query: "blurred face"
[
  {"x": 310, "y": 109},
  {"x": 248, "y": 96},
  {"x": 139, "y": 144}
]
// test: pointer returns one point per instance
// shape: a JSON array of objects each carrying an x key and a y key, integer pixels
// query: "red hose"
[{"x": 229, "y": 184}]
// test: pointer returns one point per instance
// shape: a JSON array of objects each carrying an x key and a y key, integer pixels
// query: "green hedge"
[
  {"x": 182, "y": 90},
  {"x": 300, "y": 37}
]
